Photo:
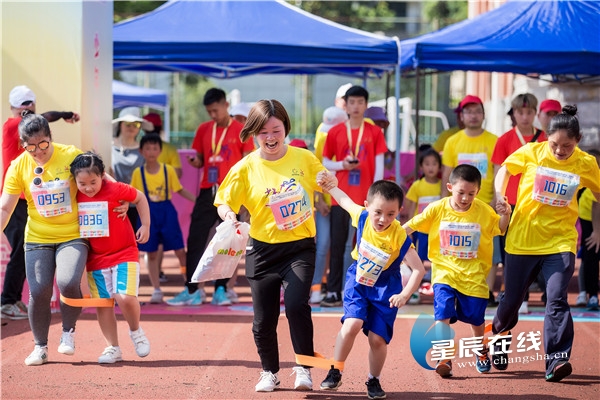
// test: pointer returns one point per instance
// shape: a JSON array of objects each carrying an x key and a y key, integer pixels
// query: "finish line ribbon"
[{"x": 87, "y": 301}]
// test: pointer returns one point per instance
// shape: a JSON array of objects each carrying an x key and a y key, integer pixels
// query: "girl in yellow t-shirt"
[
  {"x": 52, "y": 242},
  {"x": 276, "y": 184},
  {"x": 542, "y": 235}
]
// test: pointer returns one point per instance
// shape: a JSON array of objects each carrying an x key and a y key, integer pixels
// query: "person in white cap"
[
  {"x": 126, "y": 156},
  {"x": 239, "y": 112},
  {"x": 22, "y": 100}
]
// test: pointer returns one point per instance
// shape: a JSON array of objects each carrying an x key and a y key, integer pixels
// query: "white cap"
[
  {"x": 132, "y": 114},
  {"x": 333, "y": 116},
  {"x": 19, "y": 95},
  {"x": 341, "y": 92},
  {"x": 240, "y": 109}
]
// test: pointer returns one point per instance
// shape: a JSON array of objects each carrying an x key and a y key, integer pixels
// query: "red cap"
[
  {"x": 298, "y": 143},
  {"x": 155, "y": 119},
  {"x": 550, "y": 105},
  {"x": 469, "y": 99}
]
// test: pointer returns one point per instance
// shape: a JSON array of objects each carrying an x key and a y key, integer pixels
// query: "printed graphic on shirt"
[
  {"x": 553, "y": 187},
  {"x": 424, "y": 202},
  {"x": 371, "y": 261},
  {"x": 290, "y": 205},
  {"x": 459, "y": 239},
  {"x": 51, "y": 198},
  {"x": 478, "y": 160},
  {"x": 93, "y": 219}
]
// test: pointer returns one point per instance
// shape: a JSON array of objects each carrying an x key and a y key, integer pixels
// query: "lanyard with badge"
[
  {"x": 522, "y": 139},
  {"x": 213, "y": 169},
  {"x": 354, "y": 175}
]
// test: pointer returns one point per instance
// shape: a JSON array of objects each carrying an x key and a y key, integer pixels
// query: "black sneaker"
[
  {"x": 374, "y": 390},
  {"x": 333, "y": 380},
  {"x": 500, "y": 360},
  {"x": 332, "y": 300},
  {"x": 561, "y": 371}
]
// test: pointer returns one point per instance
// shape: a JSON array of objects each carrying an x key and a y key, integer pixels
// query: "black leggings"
[{"x": 268, "y": 267}]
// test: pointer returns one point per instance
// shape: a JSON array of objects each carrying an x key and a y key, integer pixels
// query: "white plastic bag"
[{"x": 223, "y": 253}]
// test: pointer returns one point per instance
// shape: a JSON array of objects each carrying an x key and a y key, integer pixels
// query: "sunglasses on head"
[
  {"x": 133, "y": 124},
  {"x": 43, "y": 145}
]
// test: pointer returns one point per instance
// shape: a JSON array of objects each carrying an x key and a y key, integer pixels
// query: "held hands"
[
  {"x": 122, "y": 210},
  {"x": 502, "y": 206},
  {"x": 143, "y": 234},
  {"x": 398, "y": 300},
  {"x": 327, "y": 180}
]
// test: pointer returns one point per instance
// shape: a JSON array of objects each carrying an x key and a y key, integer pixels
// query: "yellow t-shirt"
[
  {"x": 156, "y": 183},
  {"x": 279, "y": 195},
  {"x": 460, "y": 244},
  {"x": 55, "y": 197},
  {"x": 422, "y": 193},
  {"x": 388, "y": 242},
  {"x": 585, "y": 205},
  {"x": 536, "y": 227},
  {"x": 320, "y": 138},
  {"x": 438, "y": 145},
  {"x": 475, "y": 151},
  {"x": 169, "y": 155}
]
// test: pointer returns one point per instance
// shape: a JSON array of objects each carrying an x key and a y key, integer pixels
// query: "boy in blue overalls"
[{"x": 159, "y": 181}]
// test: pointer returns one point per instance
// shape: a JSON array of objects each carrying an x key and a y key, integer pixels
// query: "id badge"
[
  {"x": 354, "y": 177},
  {"x": 213, "y": 174}
]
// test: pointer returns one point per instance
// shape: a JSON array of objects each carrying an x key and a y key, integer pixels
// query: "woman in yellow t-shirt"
[
  {"x": 276, "y": 184},
  {"x": 52, "y": 241},
  {"x": 542, "y": 235}
]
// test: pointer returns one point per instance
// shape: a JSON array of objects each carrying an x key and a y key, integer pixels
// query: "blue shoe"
[
  {"x": 220, "y": 297},
  {"x": 483, "y": 363},
  {"x": 592, "y": 303},
  {"x": 198, "y": 297},
  {"x": 182, "y": 299}
]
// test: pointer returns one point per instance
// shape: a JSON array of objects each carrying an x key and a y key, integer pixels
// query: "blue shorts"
[
  {"x": 123, "y": 278},
  {"x": 450, "y": 303},
  {"x": 371, "y": 304},
  {"x": 164, "y": 228}
]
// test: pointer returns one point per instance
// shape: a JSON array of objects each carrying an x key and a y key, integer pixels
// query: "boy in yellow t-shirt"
[
  {"x": 373, "y": 288},
  {"x": 159, "y": 181},
  {"x": 461, "y": 229}
]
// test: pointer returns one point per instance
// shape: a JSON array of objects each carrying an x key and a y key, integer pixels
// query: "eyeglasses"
[
  {"x": 43, "y": 145},
  {"x": 133, "y": 124},
  {"x": 37, "y": 181}
]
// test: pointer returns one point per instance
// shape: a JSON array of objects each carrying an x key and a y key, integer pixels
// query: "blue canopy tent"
[
  {"x": 557, "y": 37},
  {"x": 227, "y": 39},
  {"x": 126, "y": 95}
]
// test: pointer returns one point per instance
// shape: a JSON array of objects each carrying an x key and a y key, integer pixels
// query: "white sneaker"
[
  {"x": 316, "y": 297},
  {"x": 38, "y": 356},
  {"x": 110, "y": 355},
  {"x": 67, "y": 343},
  {"x": 303, "y": 378},
  {"x": 524, "y": 309},
  {"x": 157, "y": 297},
  {"x": 581, "y": 299},
  {"x": 141, "y": 343},
  {"x": 232, "y": 296},
  {"x": 415, "y": 298},
  {"x": 268, "y": 382}
]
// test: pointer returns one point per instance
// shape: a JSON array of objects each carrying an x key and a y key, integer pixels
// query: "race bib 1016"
[{"x": 553, "y": 187}]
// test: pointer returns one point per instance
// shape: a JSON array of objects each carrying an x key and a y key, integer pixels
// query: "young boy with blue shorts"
[
  {"x": 158, "y": 182},
  {"x": 373, "y": 290},
  {"x": 461, "y": 229}
]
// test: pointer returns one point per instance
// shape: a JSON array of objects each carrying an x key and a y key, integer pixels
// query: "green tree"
[
  {"x": 370, "y": 16},
  {"x": 443, "y": 13},
  {"x": 128, "y": 9}
]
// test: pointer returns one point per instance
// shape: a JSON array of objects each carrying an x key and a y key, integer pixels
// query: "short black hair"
[
  {"x": 88, "y": 161},
  {"x": 150, "y": 138},
  {"x": 467, "y": 173},
  {"x": 214, "y": 95},
  {"x": 430, "y": 152},
  {"x": 388, "y": 190},
  {"x": 357, "y": 91}
]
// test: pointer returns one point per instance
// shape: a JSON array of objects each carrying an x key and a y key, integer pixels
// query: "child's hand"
[
  {"x": 143, "y": 234},
  {"x": 122, "y": 209},
  {"x": 398, "y": 300},
  {"x": 502, "y": 206},
  {"x": 327, "y": 180}
]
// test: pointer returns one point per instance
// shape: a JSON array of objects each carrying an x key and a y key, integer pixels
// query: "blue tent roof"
[
  {"x": 225, "y": 39},
  {"x": 125, "y": 95},
  {"x": 544, "y": 37}
]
